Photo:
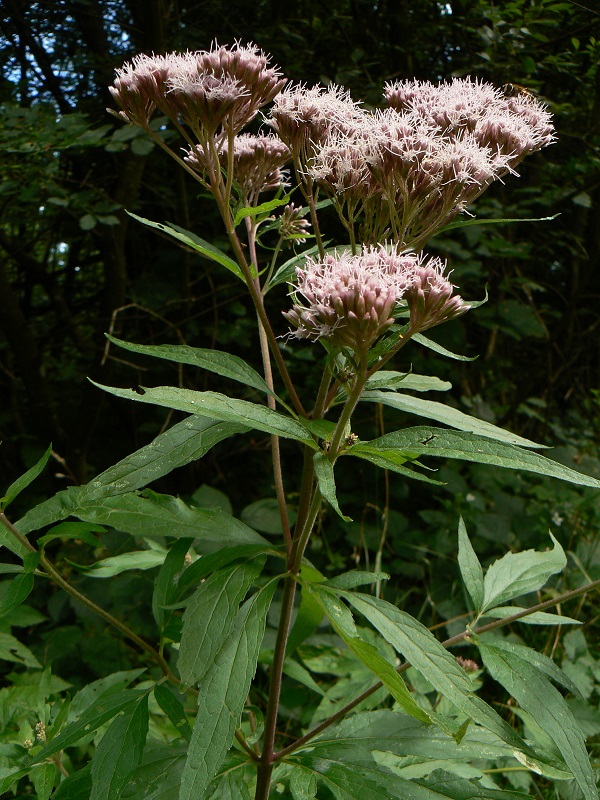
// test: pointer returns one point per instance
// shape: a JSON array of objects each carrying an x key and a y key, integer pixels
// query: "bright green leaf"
[
  {"x": 354, "y": 578},
  {"x": 18, "y": 591},
  {"x": 15, "y": 489},
  {"x": 309, "y": 617},
  {"x": 303, "y": 784},
  {"x": 437, "y": 348},
  {"x": 535, "y": 618},
  {"x": 74, "y": 530}
]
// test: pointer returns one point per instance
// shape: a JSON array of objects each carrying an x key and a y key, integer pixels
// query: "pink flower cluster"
[{"x": 353, "y": 299}]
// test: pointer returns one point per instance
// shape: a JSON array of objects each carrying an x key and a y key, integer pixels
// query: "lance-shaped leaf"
[
  {"x": 438, "y": 348},
  {"x": 120, "y": 751},
  {"x": 217, "y": 406},
  {"x": 224, "y": 364},
  {"x": 159, "y": 775},
  {"x": 447, "y": 415},
  {"x": 210, "y": 615},
  {"x": 538, "y": 697},
  {"x": 173, "y": 708},
  {"x": 470, "y": 568},
  {"x": 326, "y": 482},
  {"x": 187, "y": 441},
  {"x": 414, "y": 442},
  {"x": 533, "y": 618},
  {"x": 15, "y": 489},
  {"x": 165, "y": 585},
  {"x": 195, "y": 242},
  {"x": 393, "y": 460},
  {"x": 224, "y": 692},
  {"x": 76, "y": 786},
  {"x": 412, "y": 640},
  {"x": 516, "y": 574},
  {"x": 387, "y": 379}
]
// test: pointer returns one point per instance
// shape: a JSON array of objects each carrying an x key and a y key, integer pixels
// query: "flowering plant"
[{"x": 395, "y": 178}]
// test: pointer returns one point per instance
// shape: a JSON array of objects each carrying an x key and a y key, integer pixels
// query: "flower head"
[
  {"x": 352, "y": 299},
  {"x": 292, "y": 225}
]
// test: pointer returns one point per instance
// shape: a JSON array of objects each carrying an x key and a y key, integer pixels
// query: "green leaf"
[
  {"x": 437, "y": 348},
  {"x": 224, "y": 364},
  {"x": 9, "y": 775},
  {"x": 104, "y": 708},
  {"x": 297, "y": 672},
  {"x": 165, "y": 585},
  {"x": 15, "y": 489},
  {"x": 18, "y": 591},
  {"x": 218, "y": 406},
  {"x": 120, "y": 751},
  {"x": 229, "y": 786},
  {"x": 173, "y": 708},
  {"x": 471, "y": 222},
  {"x": 412, "y": 640},
  {"x": 354, "y": 578},
  {"x": 207, "y": 564},
  {"x": 159, "y": 775},
  {"x": 309, "y": 617},
  {"x": 76, "y": 787},
  {"x": 195, "y": 242},
  {"x": 447, "y": 415},
  {"x": 470, "y": 568},
  {"x": 187, "y": 441},
  {"x": 535, "y": 618},
  {"x": 74, "y": 530},
  {"x": 386, "y": 379},
  {"x": 468, "y": 447},
  {"x": 303, "y": 784},
  {"x": 115, "y": 565},
  {"x": 42, "y": 776},
  {"x": 224, "y": 692},
  {"x": 209, "y": 617},
  {"x": 516, "y": 574},
  {"x": 113, "y": 683},
  {"x": 11, "y": 649},
  {"x": 287, "y": 272},
  {"x": 263, "y": 515},
  {"x": 538, "y": 697},
  {"x": 155, "y": 515},
  {"x": 326, "y": 482},
  {"x": 263, "y": 208},
  {"x": 393, "y": 460}
]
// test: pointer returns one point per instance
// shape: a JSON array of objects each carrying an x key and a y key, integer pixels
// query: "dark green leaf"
[
  {"x": 538, "y": 697},
  {"x": 9, "y": 775},
  {"x": 74, "y": 530},
  {"x": 390, "y": 459},
  {"x": 11, "y": 649},
  {"x": 224, "y": 692},
  {"x": 447, "y": 415},
  {"x": 354, "y": 578},
  {"x": 209, "y": 617},
  {"x": 516, "y": 574},
  {"x": 303, "y": 784},
  {"x": 471, "y": 222},
  {"x": 173, "y": 708},
  {"x": 76, "y": 787},
  {"x": 224, "y": 364},
  {"x": 263, "y": 515},
  {"x": 309, "y": 617},
  {"x": 326, "y": 482},
  {"x": 468, "y": 447},
  {"x": 385, "y": 379},
  {"x": 18, "y": 591},
  {"x": 165, "y": 584},
  {"x": 205, "y": 565},
  {"x": 15, "y": 489},
  {"x": 287, "y": 272},
  {"x": 534, "y": 618},
  {"x": 120, "y": 751},
  {"x": 230, "y": 786},
  {"x": 218, "y": 406},
  {"x": 470, "y": 568},
  {"x": 159, "y": 775},
  {"x": 42, "y": 776},
  {"x": 437, "y": 348}
]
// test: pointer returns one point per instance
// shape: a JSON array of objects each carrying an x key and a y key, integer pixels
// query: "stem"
[{"x": 448, "y": 643}]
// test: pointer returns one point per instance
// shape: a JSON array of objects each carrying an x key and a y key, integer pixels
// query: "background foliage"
[{"x": 73, "y": 265}]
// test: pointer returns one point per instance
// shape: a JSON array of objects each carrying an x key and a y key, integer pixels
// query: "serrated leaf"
[
  {"x": 165, "y": 585},
  {"x": 535, "y": 618},
  {"x": 224, "y": 691},
  {"x": 516, "y": 574},
  {"x": 120, "y": 751},
  {"x": 159, "y": 775},
  {"x": 387, "y": 379},
  {"x": 538, "y": 697},
  {"x": 262, "y": 208},
  {"x": 11, "y": 649},
  {"x": 115, "y": 565},
  {"x": 470, "y": 568},
  {"x": 19, "y": 590},
  {"x": 15, "y": 489},
  {"x": 42, "y": 776},
  {"x": 173, "y": 708},
  {"x": 195, "y": 242},
  {"x": 468, "y": 447},
  {"x": 217, "y": 406},
  {"x": 230, "y": 786},
  {"x": 207, "y": 564},
  {"x": 447, "y": 415},
  {"x": 187, "y": 441},
  {"x": 303, "y": 784},
  {"x": 326, "y": 481},
  {"x": 210, "y": 616},
  {"x": 224, "y": 364}
]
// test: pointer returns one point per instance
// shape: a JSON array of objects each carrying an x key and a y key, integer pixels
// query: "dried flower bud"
[
  {"x": 292, "y": 225},
  {"x": 468, "y": 664}
]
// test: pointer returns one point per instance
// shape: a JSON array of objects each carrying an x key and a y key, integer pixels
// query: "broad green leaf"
[
  {"x": 23, "y": 482},
  {"x": 9, "y": 775},
  {"x": 105, "y": 707},
  {"x": 18, "y": 591},
  {"x": 437, "y": 348},
  {"x": 209, "y": 617},
  {"x": 115, "y": 565},
  {"x": 535, "y": 618},
  {"x": 468, "y": 447},
  {"x": 303, "y": 784},
  {"x": 470, "y": 568},
  {"x": 264, "y": 516},
  {"x": 85, "y": 698},
  {"x": 516, "y": 574},
  {"x": 120, "y": 751},
  {"x": 447, "y": 415},
  {"x": 42, "y": 776},
  {"x": 74, "y": 530},
  {"x": 342, "y": 622},
  {"x": 352, "y": 782},
  {"x": 427, "y": 655},
  {"x": 354, "y": 578},
  {"x": 11, "y": 649},
  {"x": 207, "y": 564},
  {"x": 218, "y": 406},
  {"x": 187, "y": 441},
  {"x": 159, "y": 775},
  {"x": 6, "y": 569},
  {"x": 326, "y": 482},
  {"x": 387, "y": 379},
  {"x": 156, "y": 515},
  {"x": 224, "y": 692},
  {"x": 309, "y": 617},
  {"x": 195, "y": 242},
  {"x": 76, "y": 787},
  {"x": 538, "y": 697},
  {"x": 165, "y": 584},
  {"x": 173, "y": 708},
  {"x": 224, "y": 364}
]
